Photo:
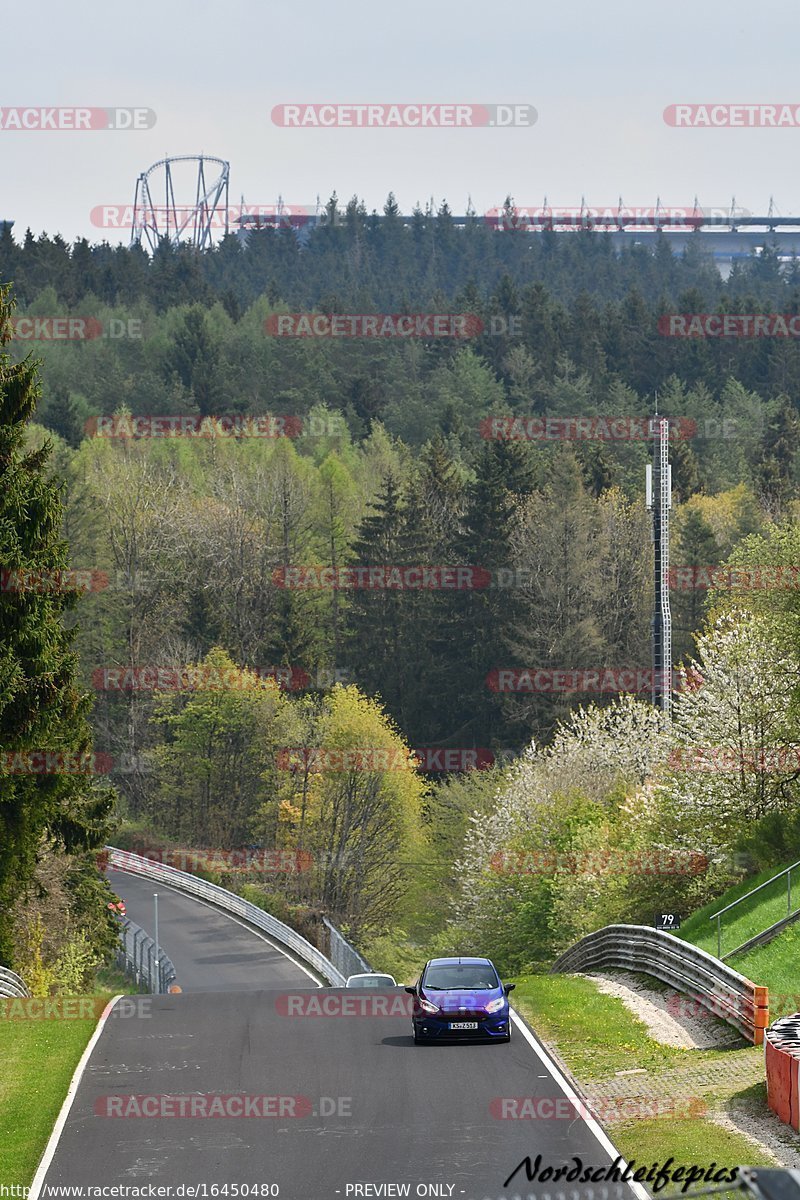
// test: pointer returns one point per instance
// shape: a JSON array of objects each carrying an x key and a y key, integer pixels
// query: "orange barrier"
[
  {"x": 782, "y": 1063},
  {"x": 760, "y": 1014}
]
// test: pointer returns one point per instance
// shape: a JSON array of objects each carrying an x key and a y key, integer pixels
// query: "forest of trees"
[{"x": 192, "y": 542}]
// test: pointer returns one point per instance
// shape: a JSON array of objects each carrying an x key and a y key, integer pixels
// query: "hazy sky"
[{"x": 599, "y": 75}]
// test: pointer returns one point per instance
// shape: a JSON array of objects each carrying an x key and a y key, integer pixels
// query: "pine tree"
[
  {"x": 62, "y": 417},
  {"x": 685, "y": 473},
  {"x": 697, "y": 548},
  {"x": 378, "y": 616},
  {"x": 777, "y": 469},
  {"x": 487, "y": 614},
  {"x": 195, "y": 359},
  {"x": 41, "y": 708}
]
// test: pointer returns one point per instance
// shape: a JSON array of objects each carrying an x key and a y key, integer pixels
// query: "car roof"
[
  {"x": 370, "y": 974},
  {"x": 454, "y": 962}
]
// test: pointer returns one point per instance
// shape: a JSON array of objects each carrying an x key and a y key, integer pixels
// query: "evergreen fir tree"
[{"x": 41, "y": 708}]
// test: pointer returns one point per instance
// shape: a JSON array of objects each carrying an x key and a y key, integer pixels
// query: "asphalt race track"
[
  {"x": 210, "y": 951},
  {"x": 362, "y": 1105}
]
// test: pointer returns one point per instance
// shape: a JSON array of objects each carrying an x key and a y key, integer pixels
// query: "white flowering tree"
[
  {"x": 521, "y": 884},
  {"x": 735, "y": 754}
]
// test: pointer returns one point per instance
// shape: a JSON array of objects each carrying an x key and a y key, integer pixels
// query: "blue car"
[{"x": 460, "y": 999}]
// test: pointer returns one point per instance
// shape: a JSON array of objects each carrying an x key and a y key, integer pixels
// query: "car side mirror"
[
  {"x": 412, "y": 991},
  {"x": 509, "y": 987}
]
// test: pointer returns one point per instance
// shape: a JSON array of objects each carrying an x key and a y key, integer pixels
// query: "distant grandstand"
[{"x": 728, "y": 236}]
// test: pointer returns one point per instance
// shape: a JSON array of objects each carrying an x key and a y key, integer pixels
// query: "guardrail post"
[
  {"x": 719, "y": 939},
  {"x": 139, "y": 957},
  {"x": 789, "y": 892}
]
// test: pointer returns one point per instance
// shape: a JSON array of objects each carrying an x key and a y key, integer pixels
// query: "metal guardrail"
[
  {"x": 716, "y": 916},
  {"x": 137, "y": 957},
  {"x": 766, "y": 935},
  {"x": 710, "y": 983},
  {"x": 123, "y": 860},
  {"x": 11, "y": 984},
  {"x": 344, "y": 956}
]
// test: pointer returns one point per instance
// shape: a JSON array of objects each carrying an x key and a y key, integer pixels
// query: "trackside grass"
[
  {"x": 687, "y": 1143},
  {"x": 597, "y": 1038},
  {"x": 748, "y": 918},
  {"x": 776, "y": 965},
  {"x": 37, "y": 1062}
]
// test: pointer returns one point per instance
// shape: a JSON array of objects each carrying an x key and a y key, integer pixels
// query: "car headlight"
[
  {"x": 427, "y": 1007},
  {"x": 495, "y": 1005}
]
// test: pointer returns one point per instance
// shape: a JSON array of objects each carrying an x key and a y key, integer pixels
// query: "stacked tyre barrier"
[{"x": 782, "y": 1062}]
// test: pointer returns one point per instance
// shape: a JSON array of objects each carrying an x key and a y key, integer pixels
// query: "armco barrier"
[
  {"x": 11, "y": 984},
  {"x": 710, "y": 983},
  {"x": 782, "y": 1062},
  {"x": 135, "y": 864}
]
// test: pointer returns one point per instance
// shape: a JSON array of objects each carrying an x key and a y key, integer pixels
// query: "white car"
[{"x": 371, "y": 979}]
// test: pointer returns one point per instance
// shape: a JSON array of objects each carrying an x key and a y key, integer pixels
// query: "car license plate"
[{"x": 463, "y": 1024}]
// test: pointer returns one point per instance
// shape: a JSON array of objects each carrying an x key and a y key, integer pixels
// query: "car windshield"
[
  {"x": 461, "y": 977},
  {"x": 372, "y": 981}
]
